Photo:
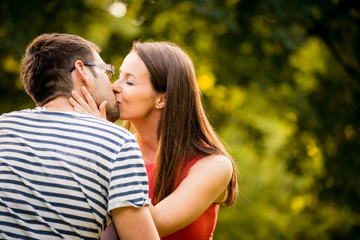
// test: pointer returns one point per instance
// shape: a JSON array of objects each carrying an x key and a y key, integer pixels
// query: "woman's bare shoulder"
[{"x": 219, "y": 163}]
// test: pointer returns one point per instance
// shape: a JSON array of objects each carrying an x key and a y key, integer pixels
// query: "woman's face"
[{"x": 133, "y": 91}]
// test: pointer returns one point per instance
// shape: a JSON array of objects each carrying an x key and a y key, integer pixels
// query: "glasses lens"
[{"x": 109, "y": 74}]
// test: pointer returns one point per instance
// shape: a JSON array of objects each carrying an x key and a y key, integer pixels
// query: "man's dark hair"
[{"x": 45, "y": 68}]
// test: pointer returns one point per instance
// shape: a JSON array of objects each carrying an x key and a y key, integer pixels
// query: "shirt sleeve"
[{"x": 128, "y": 183}]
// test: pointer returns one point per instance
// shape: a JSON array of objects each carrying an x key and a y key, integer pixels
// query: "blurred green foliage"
[{"x": 280, "y": 81}]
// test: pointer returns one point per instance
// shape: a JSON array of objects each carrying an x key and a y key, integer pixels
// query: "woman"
[{"x": 190, "y": 173}]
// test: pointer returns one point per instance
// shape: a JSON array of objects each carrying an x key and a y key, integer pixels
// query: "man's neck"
[{"x": 59, "y": 104}]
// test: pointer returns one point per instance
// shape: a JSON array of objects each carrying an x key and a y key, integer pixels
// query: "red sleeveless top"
[{"x": 203, "y": 227}]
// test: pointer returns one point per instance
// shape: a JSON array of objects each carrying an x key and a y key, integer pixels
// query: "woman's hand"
[{"x": 88, "y": 105}]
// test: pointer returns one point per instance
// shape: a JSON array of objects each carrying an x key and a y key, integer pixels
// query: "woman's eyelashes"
[{"x": 128, "y": 81}]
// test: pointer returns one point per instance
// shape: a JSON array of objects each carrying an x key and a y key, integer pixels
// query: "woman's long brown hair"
[{"x": 184, "y": 131}]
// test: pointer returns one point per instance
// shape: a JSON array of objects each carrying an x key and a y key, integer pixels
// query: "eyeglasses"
[{"x": 107, "y": 67}]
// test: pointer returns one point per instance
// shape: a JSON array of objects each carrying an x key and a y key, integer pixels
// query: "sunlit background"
[{"x": 280, "y": 82}]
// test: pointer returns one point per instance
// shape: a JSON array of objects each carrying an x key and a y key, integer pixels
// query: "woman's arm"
[
  {"x": 134, "y": 223},
  {"x": 205, "y": 183}
]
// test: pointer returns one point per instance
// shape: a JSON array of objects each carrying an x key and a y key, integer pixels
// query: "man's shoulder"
[
  {"x": 82, "y": 122},
  {"x": 16, "y": 113},
  {"x": 117, "y": 129},
  {"x": 90, "y": 119},
  {"x": 98, "y": 124}
]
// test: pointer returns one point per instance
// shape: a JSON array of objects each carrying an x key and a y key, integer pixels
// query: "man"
[{"x": 63, "y": 173}]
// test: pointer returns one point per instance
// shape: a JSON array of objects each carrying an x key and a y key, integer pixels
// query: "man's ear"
[
  {"x": 81, "y": 72},
  {"x": 161, "y": 100}
]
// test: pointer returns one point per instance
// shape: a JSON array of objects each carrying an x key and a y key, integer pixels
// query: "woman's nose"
[{"x": 117, "y": 86}]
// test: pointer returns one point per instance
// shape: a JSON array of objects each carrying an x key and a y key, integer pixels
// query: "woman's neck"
[{"x": 146, "y": 136}]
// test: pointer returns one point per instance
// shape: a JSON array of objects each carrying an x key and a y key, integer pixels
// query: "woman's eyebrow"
[{"x": 129, "y": 74}]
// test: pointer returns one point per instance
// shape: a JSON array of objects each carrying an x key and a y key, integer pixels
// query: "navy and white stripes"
[{"x": 61, "y": 172}]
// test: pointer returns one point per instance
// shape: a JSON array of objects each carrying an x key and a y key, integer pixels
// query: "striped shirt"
[{"x": 62, "y": 172}]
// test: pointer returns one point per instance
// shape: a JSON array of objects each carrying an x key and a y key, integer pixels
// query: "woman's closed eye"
[{"x": 128, "y": 81}]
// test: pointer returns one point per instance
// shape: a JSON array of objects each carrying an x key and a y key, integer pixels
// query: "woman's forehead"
[{"x": 133, "y": 65}]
